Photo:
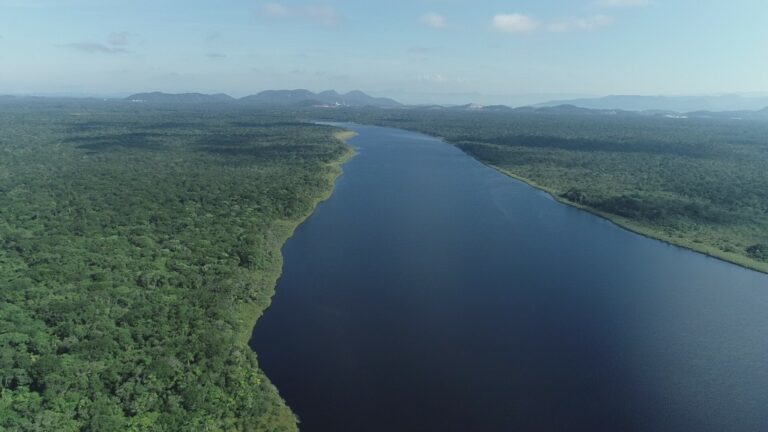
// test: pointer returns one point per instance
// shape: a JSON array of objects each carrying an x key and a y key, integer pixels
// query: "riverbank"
[
  {"x": 156, "y": 250},
  {"x": 281, "y": 232},
  {"x": 678, "y": 240},
  {"x": 425, "y": 265},
  {"x": 248, "y": 314},
  {"x": 636, "y": 228},
  {"x": 696, "y": 185}
]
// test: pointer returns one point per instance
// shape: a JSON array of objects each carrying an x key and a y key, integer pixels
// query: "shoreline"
[
  {"x": 248, "y": 314},
  {"x": 631, "y": 226},
  {"x": 623, "y": 223},
  {"x": 284, "y": 230}
]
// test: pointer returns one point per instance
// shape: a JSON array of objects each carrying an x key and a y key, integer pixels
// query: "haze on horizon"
[{"x": 443, "y": 51}]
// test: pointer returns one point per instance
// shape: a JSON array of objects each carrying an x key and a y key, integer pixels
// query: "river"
[{"x": 432, "y": 293}]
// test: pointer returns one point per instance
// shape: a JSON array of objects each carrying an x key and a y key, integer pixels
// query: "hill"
[
  {"x": 299, "y": 97},
  {"x": 667, "y": 103},
  {"x": 304, "y": 97},
  {"x": 192, "y": 98}
]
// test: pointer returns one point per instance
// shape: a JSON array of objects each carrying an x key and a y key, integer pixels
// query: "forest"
[
  {"x": 138, "y": 246},
  {"x": 697, "y": 183}
]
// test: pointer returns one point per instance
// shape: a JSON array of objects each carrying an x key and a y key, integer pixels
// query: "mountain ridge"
[
  {"x": 180, "y": 97},
  {"x": 303, "y": 97},
  {"x": 681, "y": 104}
]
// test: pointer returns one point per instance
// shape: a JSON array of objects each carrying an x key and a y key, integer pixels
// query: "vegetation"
[
  {"x": 138, "y": 245},
  {"x": 137, "y": 248},
  {"x": 699, "y": 183}
]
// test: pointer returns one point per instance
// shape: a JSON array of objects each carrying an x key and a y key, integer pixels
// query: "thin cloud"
[
  {"x": 93, "y": 48},
  {"x": 433, "y": 78},
  {"x": 623, "y": 3},
  {"x": 275, "y": 10},
  {"x": 515, "y": 23},
  {"x": 520, "y": 23},
  {"x": 119, "y": 39},
  {"x": 215, "y": 55},
  {"x": 581, "y": 24},
  {"x": 434, "y": 20},
  {"x": 323, "y": 15}
]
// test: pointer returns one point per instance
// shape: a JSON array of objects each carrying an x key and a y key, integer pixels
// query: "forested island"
[
  {"x": 701, "y": 183},
  {"x": 138, "y": 246}
]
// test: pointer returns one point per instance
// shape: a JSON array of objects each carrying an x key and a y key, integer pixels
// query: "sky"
[{"x": 418, "y": 51}]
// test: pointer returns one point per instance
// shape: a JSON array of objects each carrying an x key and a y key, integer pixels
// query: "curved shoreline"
[
  {"x": 483, "y": 265},
  {"x": 248, "y": 314},
  {"x": 285, "y": 229},
  {"x": 735, "y": 259},
  {"x": 629, "y": 225}
]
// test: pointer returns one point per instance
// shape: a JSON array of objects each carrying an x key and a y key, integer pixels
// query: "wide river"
[{"x": 432, "y": 293}]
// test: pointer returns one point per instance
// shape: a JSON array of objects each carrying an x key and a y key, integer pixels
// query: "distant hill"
[
  {"x": 329, "y": 97},
  {"x": 501, "y": 108},
  {"x": 742, "y": 114},
  {"x": 570, "y": 109},
  {"x": 573, "y": 110},
  {"x": 627, "y": 105},
  {"x": 667, "y": 103},
  {"x": 555, "y": 110},
  {"x": 298, "y": 97},
  {"x": 279, "y": 97},
  {"x": 466, "y": 107},
  {"x": 193, "y": 98}
]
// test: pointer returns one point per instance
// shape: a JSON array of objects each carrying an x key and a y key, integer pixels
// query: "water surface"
[{"x": 432, "y": 293}]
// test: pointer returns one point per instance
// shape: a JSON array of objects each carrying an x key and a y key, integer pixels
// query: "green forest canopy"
[
  {"x": 139, "y": 244},
  {"x": 137, "y": 247}
]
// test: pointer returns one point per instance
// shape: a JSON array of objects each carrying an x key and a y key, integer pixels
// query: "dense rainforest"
[
  {"x": 138, "y": 245},
  {"x": 698, "y": 183}
]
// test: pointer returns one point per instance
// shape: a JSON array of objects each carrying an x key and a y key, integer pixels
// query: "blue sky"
[{"x": 415, "y": 50}]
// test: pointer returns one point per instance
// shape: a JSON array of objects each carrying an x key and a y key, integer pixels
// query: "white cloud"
[
  {"x": 275, "y": 10},
  {"x": 520, "y": 23},
  {"x": 434, "y": 78},
  {"x": 581, "y": 24},
  {"x": 623, "y": 3},
  {"x": 323, "y": 15},
  {"x": 515, "y": 23},
  {"x": 434, "y": 20}
]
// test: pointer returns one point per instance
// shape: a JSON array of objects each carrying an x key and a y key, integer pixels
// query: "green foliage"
[
  {"x": 131, "y": 241},
  {"x": 758, "y": 251}
]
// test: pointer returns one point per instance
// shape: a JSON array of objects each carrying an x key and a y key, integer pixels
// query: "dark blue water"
[{"x": 431, "y": 293}]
